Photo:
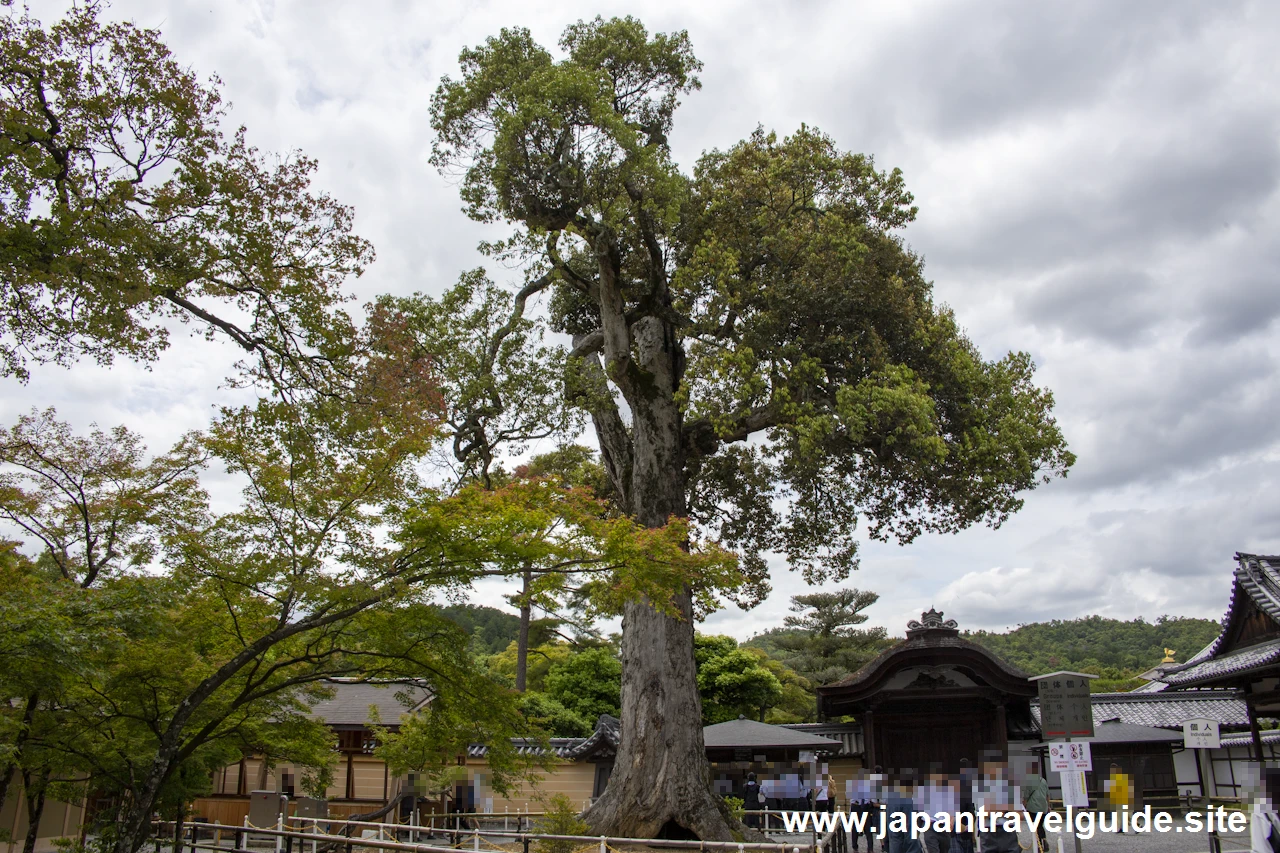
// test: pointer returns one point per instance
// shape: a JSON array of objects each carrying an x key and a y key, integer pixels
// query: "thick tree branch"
[
  {"x": 703, "y": 438},
  {"x": 616, "y": 451}
]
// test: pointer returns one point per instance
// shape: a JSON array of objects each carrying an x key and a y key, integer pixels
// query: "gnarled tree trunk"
[
  {"x": 661, "y": 780},
  {"x": 661, "y": 784}
]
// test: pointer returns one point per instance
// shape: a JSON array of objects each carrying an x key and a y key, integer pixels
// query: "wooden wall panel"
[
  {"x": 228, "y": 811},
  {"x": 368, "y": 774},
  {"x": 575, "y": 780}
]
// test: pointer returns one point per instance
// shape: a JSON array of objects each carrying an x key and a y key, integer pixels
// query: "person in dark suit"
[
  {"x": 752, "y": 800},
  {"x": 962, "y": 841}
]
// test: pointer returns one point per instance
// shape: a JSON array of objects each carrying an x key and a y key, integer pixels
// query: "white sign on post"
[
  {"x": 1070, "y": 757},
  {"x": 1073, "y": 790},
  {"x": 1201, "y": 734}
]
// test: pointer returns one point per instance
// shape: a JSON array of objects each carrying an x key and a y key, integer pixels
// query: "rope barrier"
[{"x": 597, "y": 844}]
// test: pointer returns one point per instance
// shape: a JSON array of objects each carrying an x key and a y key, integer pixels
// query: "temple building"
[
  {"x": 934, "y": 699},
  {"x": 1246, "y": 655}
]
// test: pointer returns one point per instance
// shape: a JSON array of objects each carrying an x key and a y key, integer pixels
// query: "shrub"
[{"x": 560, "y": 818}]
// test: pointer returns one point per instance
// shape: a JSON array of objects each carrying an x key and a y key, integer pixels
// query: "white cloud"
[{"x": 1097, "y": 184}]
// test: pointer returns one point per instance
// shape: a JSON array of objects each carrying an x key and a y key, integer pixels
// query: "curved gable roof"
[
  {"x": 931, "y": 641},
  {"x": 1255, "y": 590}
]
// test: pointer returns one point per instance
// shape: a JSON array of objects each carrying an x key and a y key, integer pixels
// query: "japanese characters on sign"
[
  {"x": 1070, "y": 757},
  {"x": 1065, "y": 709},
  {"x": 1074, "y": 792},
  {"x": 1201, "y": 734}
]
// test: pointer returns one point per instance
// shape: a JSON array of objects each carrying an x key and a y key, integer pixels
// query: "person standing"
[
  {"x": 900, "y": 801},
  {"x": 936, "y": 797},
  {"x": 1035, "y": 797},
  {"x": 752, "y": 801},
  {"x": 995, "y": 794},
  {"x": 862, "y": 802},
  {"x": 1119, "y": 790},
  {"x": 1264, "y": 826},
  {"x": 821, "y": 794},
  {"x": 962, "y": 838}
]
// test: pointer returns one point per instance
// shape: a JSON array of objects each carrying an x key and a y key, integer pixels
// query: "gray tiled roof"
[
  {"x": 750, "y": 733},
  {"x": 1151, "y": 687},
  {"x": 931, "y": 641},
  {"x": 1167, "y": 710},
  {"x": 561, "y": 747},
  {"x": 1256, "y": 577},
  {"x": 1239, "y": 661},
  {"x": 1269, "y": 736},
  {"x": 1259, "y": 576},
  {"x": 351, "y": 700},
  {"x": 849, "y": 735},
  {"x": 1117, "y": 732},
  {"x": 605, "y": 737}
]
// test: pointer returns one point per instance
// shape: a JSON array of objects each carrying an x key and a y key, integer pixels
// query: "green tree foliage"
[
  {"x": 573, "y": 152},
  {"x": 821, "y": 641},
  {"x": 560, "y": 817},
  {"x": 798, "y": 703},
  {"x": 125, "y": 206},
  {"x": 542, "y": 656},
  {"x": 588, "y": 683},
  {"x": 94, "y": 507},
  {"x": 95, "y": 503},
  {"x": 789, "y": 381},
  {"x": 569, "y": 466},
  {"x": 429, "y": 741},
  {"x": 499, "y": 380},
  {"x": 1114, "y": 649},
  {"x": 491, "y": 629},
  {"x": 548, "y": 715},
  {"x": 585, "y": 682},
  {"x": 732, "y": 682},
  {"x": 181, "y": 671}
]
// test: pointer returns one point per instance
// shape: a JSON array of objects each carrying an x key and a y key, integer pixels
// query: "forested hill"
[
  {"x": 492, "y": 629},
  {"x": 1116, "y": 650}
]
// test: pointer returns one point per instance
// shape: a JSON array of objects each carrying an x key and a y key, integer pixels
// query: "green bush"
[{"x": 560, "y": 818}]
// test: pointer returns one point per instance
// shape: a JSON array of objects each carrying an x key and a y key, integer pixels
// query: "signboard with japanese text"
[
  {"x": 1073, "y": 790},
  {"x": 1070, "y": 757},
  {"x": 1201, "y": 734},
  {"x": 1065, "y": 709}
]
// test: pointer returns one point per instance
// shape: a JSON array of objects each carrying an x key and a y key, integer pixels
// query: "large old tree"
[{"x": 755, "y": 345}]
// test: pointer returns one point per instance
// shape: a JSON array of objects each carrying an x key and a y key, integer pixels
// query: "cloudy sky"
[{"x": 1096, "y": 180}]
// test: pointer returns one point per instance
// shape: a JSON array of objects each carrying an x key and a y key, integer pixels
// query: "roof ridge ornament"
[{"x": 932, "y": 620}]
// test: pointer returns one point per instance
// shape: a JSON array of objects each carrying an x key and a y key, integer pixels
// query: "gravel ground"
[{"x": 1178, "y": 840}]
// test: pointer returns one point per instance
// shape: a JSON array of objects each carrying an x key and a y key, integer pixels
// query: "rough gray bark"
[
  {"x": 661, "y": 775},
  {"x": 660, "y": 785}
]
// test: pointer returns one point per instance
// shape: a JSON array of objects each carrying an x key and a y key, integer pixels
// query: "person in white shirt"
[
  {"x": 1264, "y": 822},
  {"x": 823, "y": 801},
  {"x": 993, "y": 793},
  {"x": 861, "y": 794}
]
